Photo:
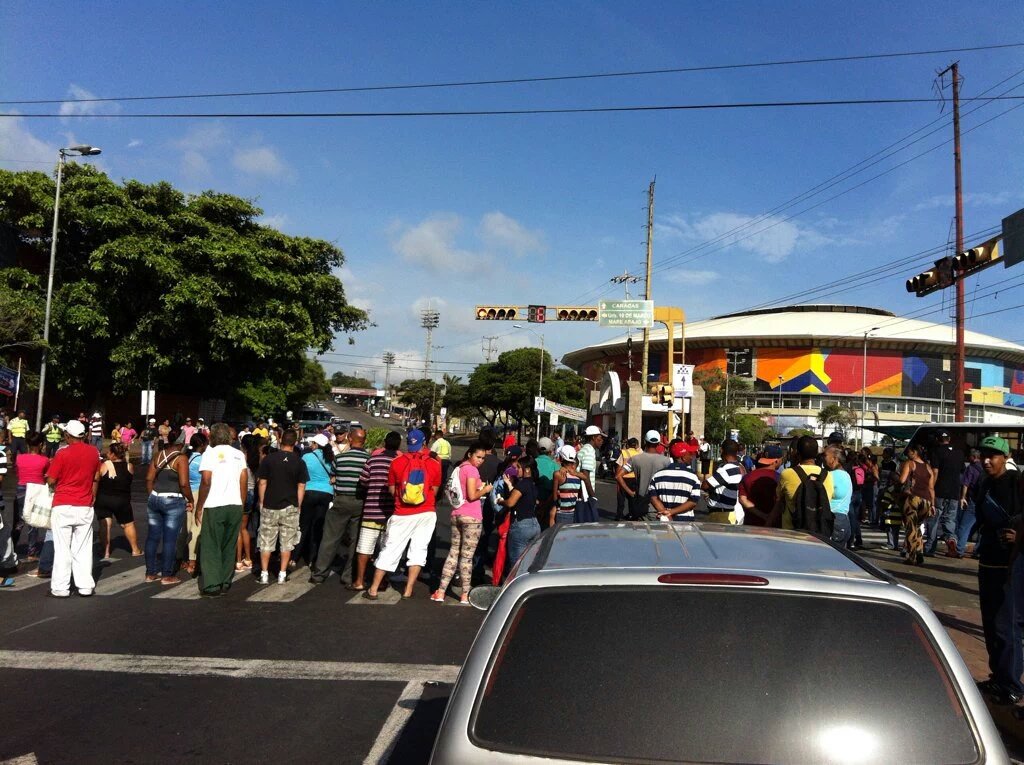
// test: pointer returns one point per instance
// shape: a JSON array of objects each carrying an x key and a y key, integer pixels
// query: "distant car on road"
[{"x": 690, "y": 642}]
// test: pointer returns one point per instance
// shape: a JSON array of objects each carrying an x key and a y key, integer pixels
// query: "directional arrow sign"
[{"x": 625, "y": 313}]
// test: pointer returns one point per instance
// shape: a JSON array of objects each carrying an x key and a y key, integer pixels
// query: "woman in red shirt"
[{"x": 31, "y": 469}]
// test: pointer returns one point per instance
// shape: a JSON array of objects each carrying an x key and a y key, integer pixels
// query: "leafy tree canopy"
[
  {"x": 421, "y": 395},
  {"x": 510, "y": 384},
  {"x": 189, "y": 291},
  {"x": 342, "y": 380},
  {"x": 720, "y": 415}
]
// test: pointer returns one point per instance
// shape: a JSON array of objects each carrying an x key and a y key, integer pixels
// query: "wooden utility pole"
[
  {"x": 647, "y": 284},
  {"x": 958, "y": 359}
]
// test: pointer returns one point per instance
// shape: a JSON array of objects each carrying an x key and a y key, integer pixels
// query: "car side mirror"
[{"x": 483, "y": 596}]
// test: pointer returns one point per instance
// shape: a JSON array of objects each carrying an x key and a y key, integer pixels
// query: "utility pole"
[
  {"x": 490, "y": 349},
  {"x": 958, "y": 360},
  {"x": 730, "y": 359},
  {"x": 647, "y": 282},
  {"x": 389, "y": 360},
  {"x": 431, "y": 319},
  {"x": 625, "y": 280}
]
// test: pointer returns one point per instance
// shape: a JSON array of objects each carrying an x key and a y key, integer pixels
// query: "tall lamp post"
[
  {"x": 780, "y": 395},
  {"x": 942, "y": 396},
  {"x": 540, "y": 382},
  {"x": 83, "y": 150},
  {"x": 864, "y": 388}
]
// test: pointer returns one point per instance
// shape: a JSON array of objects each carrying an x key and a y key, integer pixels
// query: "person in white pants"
[{"x": 73, "y": 474}]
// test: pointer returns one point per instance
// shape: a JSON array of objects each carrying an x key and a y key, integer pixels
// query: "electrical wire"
[{"x": 515, "y": 80}]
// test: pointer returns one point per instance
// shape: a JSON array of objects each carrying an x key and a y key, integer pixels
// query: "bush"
[{"x": 375, "y": 438}]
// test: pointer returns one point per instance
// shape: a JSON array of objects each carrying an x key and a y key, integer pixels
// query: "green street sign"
[{"x": 625, "y": 313}]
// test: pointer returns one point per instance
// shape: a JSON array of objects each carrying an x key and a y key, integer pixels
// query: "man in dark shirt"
[
  {"x": 282, "y": 478},
  {"x": 965, "y": 517},
  {"x": 949, "y": 463},
  {"x": 999, "y": 588},
  {"x": 759, "y": 487}
]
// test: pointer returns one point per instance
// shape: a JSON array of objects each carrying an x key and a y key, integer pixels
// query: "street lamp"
[
  {"x": 942, "y": 395},
  {"x": 83, "y": 150},
  {"x": 540, "y": 383},
  {"x": 780, "y": 395},
  {"x": 864, "y": 388}
]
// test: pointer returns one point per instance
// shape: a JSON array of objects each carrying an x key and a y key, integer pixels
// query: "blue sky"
[{"x": 544, "y": 209}]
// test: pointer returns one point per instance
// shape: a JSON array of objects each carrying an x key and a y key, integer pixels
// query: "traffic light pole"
[
  {"x": 958, "y": 371},
  {"x": 645, "y": 358}
]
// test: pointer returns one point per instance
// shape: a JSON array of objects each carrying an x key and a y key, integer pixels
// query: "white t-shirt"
[{"x": 225, "y": 465}]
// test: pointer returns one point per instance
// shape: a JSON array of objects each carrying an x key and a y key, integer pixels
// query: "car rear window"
[{"x": 719, "y": 676}]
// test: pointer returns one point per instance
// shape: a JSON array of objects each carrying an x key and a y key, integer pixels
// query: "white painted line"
[
  {"x": 115, "y": 583},
  {"x": 25, "y": 759},
  {"x": 296, "y": 586},
  {"x": 389, "y": 597},
  {"x": 24, "y": 582},
  {"x": 33, "y": 624},
  {"x": 400, "y": 714},
  {"x": 189, "y": 588},
  {"x": 208, "y": 666}
]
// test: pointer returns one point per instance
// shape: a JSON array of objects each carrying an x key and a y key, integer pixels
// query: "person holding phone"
[{"x": 1000, "y": 571}]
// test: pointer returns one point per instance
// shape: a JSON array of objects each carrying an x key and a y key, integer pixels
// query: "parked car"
[{"x": 690, "y": 642}]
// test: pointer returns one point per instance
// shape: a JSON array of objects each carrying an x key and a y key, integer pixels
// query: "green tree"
[
  {"x": 342, "y": 380},
  {"x": 720, "y": 416},
  {"x": 752, "y": 428},
  {"x": 837, "y": 416},
  {"x": 421, "y": 395},
  {"x": 190, "y": 292}
]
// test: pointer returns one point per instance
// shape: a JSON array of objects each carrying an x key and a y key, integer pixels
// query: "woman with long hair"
[
  {"x": 521, "y": 506},
  {"x": 918, "y": 482},
  {"x": 114, "y": 498},
  {"x": 31, "y": 466},
  {"x": 196, "y": 446},
  {"x": 170, "y": 496},
  {"x": 467, "y": 524},
  {"x": 252, "y": 448}
]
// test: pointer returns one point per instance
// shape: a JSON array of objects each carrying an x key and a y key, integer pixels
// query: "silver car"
[{"x": 703, "y": 643}]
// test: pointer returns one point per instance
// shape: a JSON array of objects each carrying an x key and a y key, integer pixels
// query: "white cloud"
[
  {"x": 274, "y": 221},
  {"x": 135, "y": 142},
  {"x": 500, "y": 232},
  {"x": 18, "y": 143},
  {"x": 971, "y": 199},
  {"x": 69, "y": 108},
  {"x": 204, "y": 138},
  {"x": 260, "y": 161},
  {"x": 773, "y": 239},
  {"x": 692, "y": 278},
  {"x": 195, "y": 166},
  {"x": 432, "y": 243}
]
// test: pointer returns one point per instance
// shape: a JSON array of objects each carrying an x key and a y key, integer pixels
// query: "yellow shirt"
[
  {"x": 623, "y": 461},
  {"x": 789, "y": 482},
  {"x": 18, "y": 427},
  {"x": 442, "y": 449},
  {"x": 263, "y": 432}
]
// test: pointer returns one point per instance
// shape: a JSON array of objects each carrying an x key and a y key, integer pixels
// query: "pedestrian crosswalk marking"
[
  {"x": 296, "y": 586},
  {"x": 126, "y": 580},
  {"x": 23, "y": 582},
  {"x": 189, "y": 590},
  {"x": 388, "y": 597}
]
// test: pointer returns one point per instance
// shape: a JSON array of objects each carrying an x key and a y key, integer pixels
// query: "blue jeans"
[
  {"x": 166, "y": 515},
  {"x": 520, "y": 535},
  {"x": 97, "y": 441},
  {"x": 965, "y": 518},
  {"x": 46, "y": 556},
  {"x": 569, "y": 516},
  {"x": 1001, "y": 612},
  {"x": 147, "y": 452},
  {"x": 841, "y": 530},
  {"x": 942, "y": 525}
]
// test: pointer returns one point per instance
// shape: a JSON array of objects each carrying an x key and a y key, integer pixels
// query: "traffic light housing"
[
  {"x": 575, "y": 313},
  {"x": 497, "y": 312},
  {"x": 937, "y": 278},
  {"x": 537, "y": 314},
  {"x": 662, "y": 394},
  {"x": 972, "y": 259}
]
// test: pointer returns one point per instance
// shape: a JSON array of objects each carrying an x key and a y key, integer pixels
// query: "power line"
[
  {"x": 514, "y": 80},
  {"x": 504, "y": 112}
]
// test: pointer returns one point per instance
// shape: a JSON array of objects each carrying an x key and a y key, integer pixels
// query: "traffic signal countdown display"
[{"x": 536, "y": 313}]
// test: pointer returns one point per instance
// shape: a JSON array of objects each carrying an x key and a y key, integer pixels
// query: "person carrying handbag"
[{"x": 918, "y": 496}]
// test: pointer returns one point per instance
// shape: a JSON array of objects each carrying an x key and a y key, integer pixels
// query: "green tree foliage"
[
  {"x": 189, "y": 291},
  {"x": 510, "y": 384},
  {"x": 342, "y": 380},
  {"x": 837, "y": 416},
  {"x": 753, "y": 430},
  {"x": 421, "y": 395},
  {"x": 719, "y": 418}
]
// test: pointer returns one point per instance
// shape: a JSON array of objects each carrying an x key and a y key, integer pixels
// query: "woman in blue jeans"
[
  {"x": 170, "y": 496},
  {"x": 522, "y": 504}
]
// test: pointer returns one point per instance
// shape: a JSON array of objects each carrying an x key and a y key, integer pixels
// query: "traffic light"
[
  {"x": 575, "y": 313},
  {"x": 662, "y": 394},
  {"x": 982, "y": 255},
  {"x": 497, "y": 312},
  {"x": 537, "y": 314},
  {"x": 937, "y": 278}
]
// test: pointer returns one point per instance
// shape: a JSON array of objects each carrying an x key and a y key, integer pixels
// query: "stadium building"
[{"x": 801, "y": 358}]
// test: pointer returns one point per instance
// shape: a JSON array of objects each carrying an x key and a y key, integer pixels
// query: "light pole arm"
[{"x": 49, "y": 293}]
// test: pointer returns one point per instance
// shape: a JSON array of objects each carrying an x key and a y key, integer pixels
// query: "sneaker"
[
  {"x": 437, "y": 597},
  {"x": 264, "y": 577},
  {"x": 282, "y": 577},
  {"x": 951, "y": 551},
  {"x": 85, "y": 593}
]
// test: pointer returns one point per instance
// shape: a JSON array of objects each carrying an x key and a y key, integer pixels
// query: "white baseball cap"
[
  {"x": 593, "y": 430},
  {"x": 320, "y": 439},
  {"x": 75, "y": 429},
  {"x": 652, "y": 437},
  {"x": 95, "y": 414},
  {"x": 545, "y": 444},
  {"x": 567, "y": 453}
]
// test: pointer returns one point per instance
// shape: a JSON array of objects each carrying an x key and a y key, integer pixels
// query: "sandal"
[
  {"x": 7, "y": 581},
  {"x": 353, "y": 588},
  {"x": 240, "y": 566},
  {"x": 368, "y": 596},
  {"x": 169, "y": 580},
  {"x": 152, "y": 577},
  {"x": 247, "y": 562}
]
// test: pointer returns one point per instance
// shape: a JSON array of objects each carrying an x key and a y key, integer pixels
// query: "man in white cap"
[
  {"x": 589, "y": 454},
  {"x": 543, "y": 476},
  {"x": 644, "y": 466},
  {"x": 74, "y": 474},
  {"x": 96, "y": 431},
  {"x": 147, "y": 437}
]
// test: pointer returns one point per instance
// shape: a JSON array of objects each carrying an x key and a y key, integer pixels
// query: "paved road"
[{"x": 151, "y": 674}]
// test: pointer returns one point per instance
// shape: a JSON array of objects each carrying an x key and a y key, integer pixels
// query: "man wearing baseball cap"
[
  {"x": 759, "y": 487},
  {"x": 999, "y": 586},
  {"x": 644, "y": 466},
  {"x": 74, "y": 474},
  {"x": 588, "y": 455},
  {"x": 675, "y": 490}
]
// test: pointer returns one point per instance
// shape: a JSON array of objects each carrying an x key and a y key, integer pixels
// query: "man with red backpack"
[{"x": 414, "y": 479}]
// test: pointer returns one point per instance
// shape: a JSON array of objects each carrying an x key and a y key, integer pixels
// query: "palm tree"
[{"x": 842, "y": 417}]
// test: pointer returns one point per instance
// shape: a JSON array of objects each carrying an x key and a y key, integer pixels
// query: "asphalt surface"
[{"x": 151, "y": 674}]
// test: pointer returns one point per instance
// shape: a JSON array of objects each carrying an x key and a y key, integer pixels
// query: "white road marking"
[
  {"x": 389, "y": 597},
  {"x": 112, "y": 585},
  {"x": 25, "y": 759},
  {"x": 296, "y": 586},
  {"x": 24, "y": 582},
  {"x": 400, "y": 714},
  {"x": 209, "y": 666},
  {"x": 33, "y": 624},
  {"x": 189, "y": 588}
]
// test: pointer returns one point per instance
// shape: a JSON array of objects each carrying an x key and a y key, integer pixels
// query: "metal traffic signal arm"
[
  {"x": 948, "y": 270},
  {"x": 536, "y": 314}
]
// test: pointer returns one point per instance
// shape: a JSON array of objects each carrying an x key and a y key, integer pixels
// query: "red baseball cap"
[{"x": 679, "y": 449}]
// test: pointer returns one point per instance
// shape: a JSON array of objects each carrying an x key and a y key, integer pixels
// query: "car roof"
[{"x": 680, "y": 547}]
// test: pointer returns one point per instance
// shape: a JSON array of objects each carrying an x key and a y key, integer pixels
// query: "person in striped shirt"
[
  {"x": 342, "y": 518},
  {"x": 378, "y": 504},
  {"x": 96, "y": 431},
  {"x": 723, "y": 486},
  {"x": 674, "y": 490}
]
